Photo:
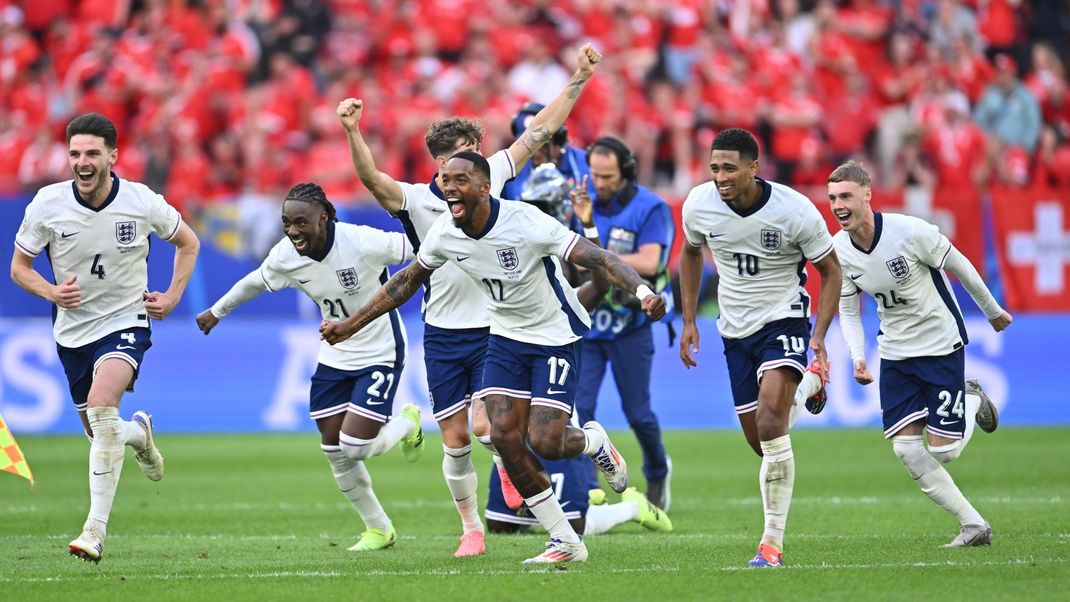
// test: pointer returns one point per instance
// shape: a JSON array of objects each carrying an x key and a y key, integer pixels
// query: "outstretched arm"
[
  {"x": 619, "y": 274},
  {"x": 249, "y": 287},
  {"x": 961, "y": 268},
  {"x": 551, "y": 118},
  {"x": 828, "y": 301},
  {"x": 396, "y": 291},
  {"x": 384, "y": 188}
]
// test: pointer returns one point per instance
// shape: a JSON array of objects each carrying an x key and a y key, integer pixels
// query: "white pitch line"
[{"x": 578, "y": 570}]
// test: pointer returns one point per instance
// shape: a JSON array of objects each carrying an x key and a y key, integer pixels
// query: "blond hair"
[{"x": 851, "y": 171}]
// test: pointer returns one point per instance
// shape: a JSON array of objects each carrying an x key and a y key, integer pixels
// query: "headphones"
[
  {"x": 625, "y": 158},
  {"x": 523, "y": 117}
]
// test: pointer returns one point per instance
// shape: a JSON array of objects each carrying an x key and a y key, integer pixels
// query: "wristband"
[
  {"x": 590, "y": 231},
  {"x": 643, "y": 292}
]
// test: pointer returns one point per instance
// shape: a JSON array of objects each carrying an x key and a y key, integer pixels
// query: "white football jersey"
[
  {"x": 106, "y": 247},
  {"x": 760, "y": 254},
  {"x": 515, "y": 264},
  {"x": 903, "y": 272},
  {"x": 351, "y": 271},
  {"x": 450, "y": 300}
]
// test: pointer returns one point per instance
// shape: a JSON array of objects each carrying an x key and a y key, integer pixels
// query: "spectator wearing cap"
[{"x": 1008, "y": 111}]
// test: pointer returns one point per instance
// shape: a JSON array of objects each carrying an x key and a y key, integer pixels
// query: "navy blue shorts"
[
  {"x": 569, "y": 480},
  {"x": 921, "y": 387},
  {"x": 546, "y": 375},
  {"x": 454, "y": 362},
  {"x": 368, "y": 392},
  {"x": 779, "y": 344},
  {"x": 80, "y": 363}
]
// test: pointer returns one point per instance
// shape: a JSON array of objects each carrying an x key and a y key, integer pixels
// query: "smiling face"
[
  {"x": 305, "y": 224},
  {"x": 734, "y": 176},
  {"x": 91, "y": 160},
  {"x": 850, "y": 204},
  {"x": 465, "y": 188}
]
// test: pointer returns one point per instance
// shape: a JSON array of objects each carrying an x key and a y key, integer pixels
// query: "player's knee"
[
  {"x": 354, "y": 448},
  {"x": 506, "y": 440},
  {"x": 946, "y": 453},
  {"x": 549, "y": 445},
  {"x": 487, "y": 444}
]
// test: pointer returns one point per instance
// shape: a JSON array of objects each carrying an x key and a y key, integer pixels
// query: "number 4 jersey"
[
  {"x": 760, "y": 253},
  {"x": 106, "y": 247},
  {"x": 903, "y": 271}
]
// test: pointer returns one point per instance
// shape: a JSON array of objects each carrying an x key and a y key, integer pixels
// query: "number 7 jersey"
[
  {"x": 760, "y": 253},
  {"x": 903, "y": 271},
  {"x": 106, "y": 247}
]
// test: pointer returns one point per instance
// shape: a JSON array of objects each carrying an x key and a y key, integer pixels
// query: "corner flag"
[{"x": 11, "y": 458}]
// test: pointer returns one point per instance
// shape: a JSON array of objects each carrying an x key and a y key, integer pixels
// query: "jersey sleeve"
[
  {"x": 501, "y": 171},
  {"x": 271, "y": 269},
  {"x": 33, "y": 234},
  {"x": 163, "y": 218},
  {"x": 408, "y": 196},
  {"x": 815, "y": 242},
  {"x": 430, "y": 254},
  {"x": 549, "y": 236},
  {"x": 930, "y": 246},
  {"x": 695, "y": 237},
  {"x": 386, "y": 248}
]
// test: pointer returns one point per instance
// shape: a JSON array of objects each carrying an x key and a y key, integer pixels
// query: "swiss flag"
[{"x": 1033, "y": 240}]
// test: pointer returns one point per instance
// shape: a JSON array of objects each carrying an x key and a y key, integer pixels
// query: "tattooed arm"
[
  {"x": 620, "y": 274},
  {"x": 551, "y": 118},
  {"x": 396, "y": 291}
]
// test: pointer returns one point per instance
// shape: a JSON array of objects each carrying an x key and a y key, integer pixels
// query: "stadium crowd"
[{"x": 214, "y": 100}]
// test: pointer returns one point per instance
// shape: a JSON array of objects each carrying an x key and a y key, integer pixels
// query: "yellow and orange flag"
[{"x": 11, "y": 458}]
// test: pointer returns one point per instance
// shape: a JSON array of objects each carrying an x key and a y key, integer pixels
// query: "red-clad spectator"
[
  {"x": 18, "y": 49},
  {"x": 684, "y": 22},
  {"x": 998, "y": 23},
  {"x": 187, "y": 184},
  {"x": 830, "y": 51},
  {"x": 957, "y": 145},
  {"x": 865, "y": 24},
  {"x": 13, "y": 141},
  {"x": 44, "y": 161},
  {"x": 327, "y": 161},
  {"x": 969, "y": 70},
  {"x": 1048, "y": 71},
  {"x": 855, "y": 119},
  {"x": 65, "y": 41},
  {"x": 31, "y": 97},
  {"x": 795, "y": 117},
  {"x": 104, "y": 12},
  {"x": 813, "y": 168},
  {"x": 39, "y": 14},
  {"x": 736, "y": 102},
  {"x": 774, "y": 63}
]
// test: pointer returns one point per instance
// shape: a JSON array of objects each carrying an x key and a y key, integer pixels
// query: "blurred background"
[{"x": 960, "y": 109}]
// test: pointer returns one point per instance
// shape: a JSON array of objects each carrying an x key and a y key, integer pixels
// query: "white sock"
[
  {"x": 933, "y": 479},
  {"x": 808, "y": 387},
  {"x": 132, "y": 434},
  {"x": 547, "y": 509},
  {"x": 106, "y": 455},
  {"x": 604, "y": 517},
  {"x": 462, "y": 480},
  {"x": 485, "y": 441},
  {"x": 973, "y": 403},
  {"x": 356, "y": 484},
  {"x": 593, "y": 441},
  {"x": 388, "y": 437},
  {"x": 777, "y": 479}
]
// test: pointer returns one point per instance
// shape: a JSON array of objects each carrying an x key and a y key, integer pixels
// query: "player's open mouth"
[
  {"x": 86, "y": 177},
  {"x": 843, "y": 216},
  {"x": 301, "y": 244},
  {"x": 726, "y": 189},
  {"x": 456, "y": 207}
]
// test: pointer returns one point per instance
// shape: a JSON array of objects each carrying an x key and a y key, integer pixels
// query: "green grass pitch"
[{"x": 258, "y": 517}]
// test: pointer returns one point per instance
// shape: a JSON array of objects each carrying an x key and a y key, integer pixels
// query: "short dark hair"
[
  {"x": 309, "y": 192},
  {"x": 736, "y": 139},
  {"x": 93, "y": 124},
  {"x": 478, "y": 160},
  {"x": 851, "y": 171},
  {"x": 442, "y": 136}
]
